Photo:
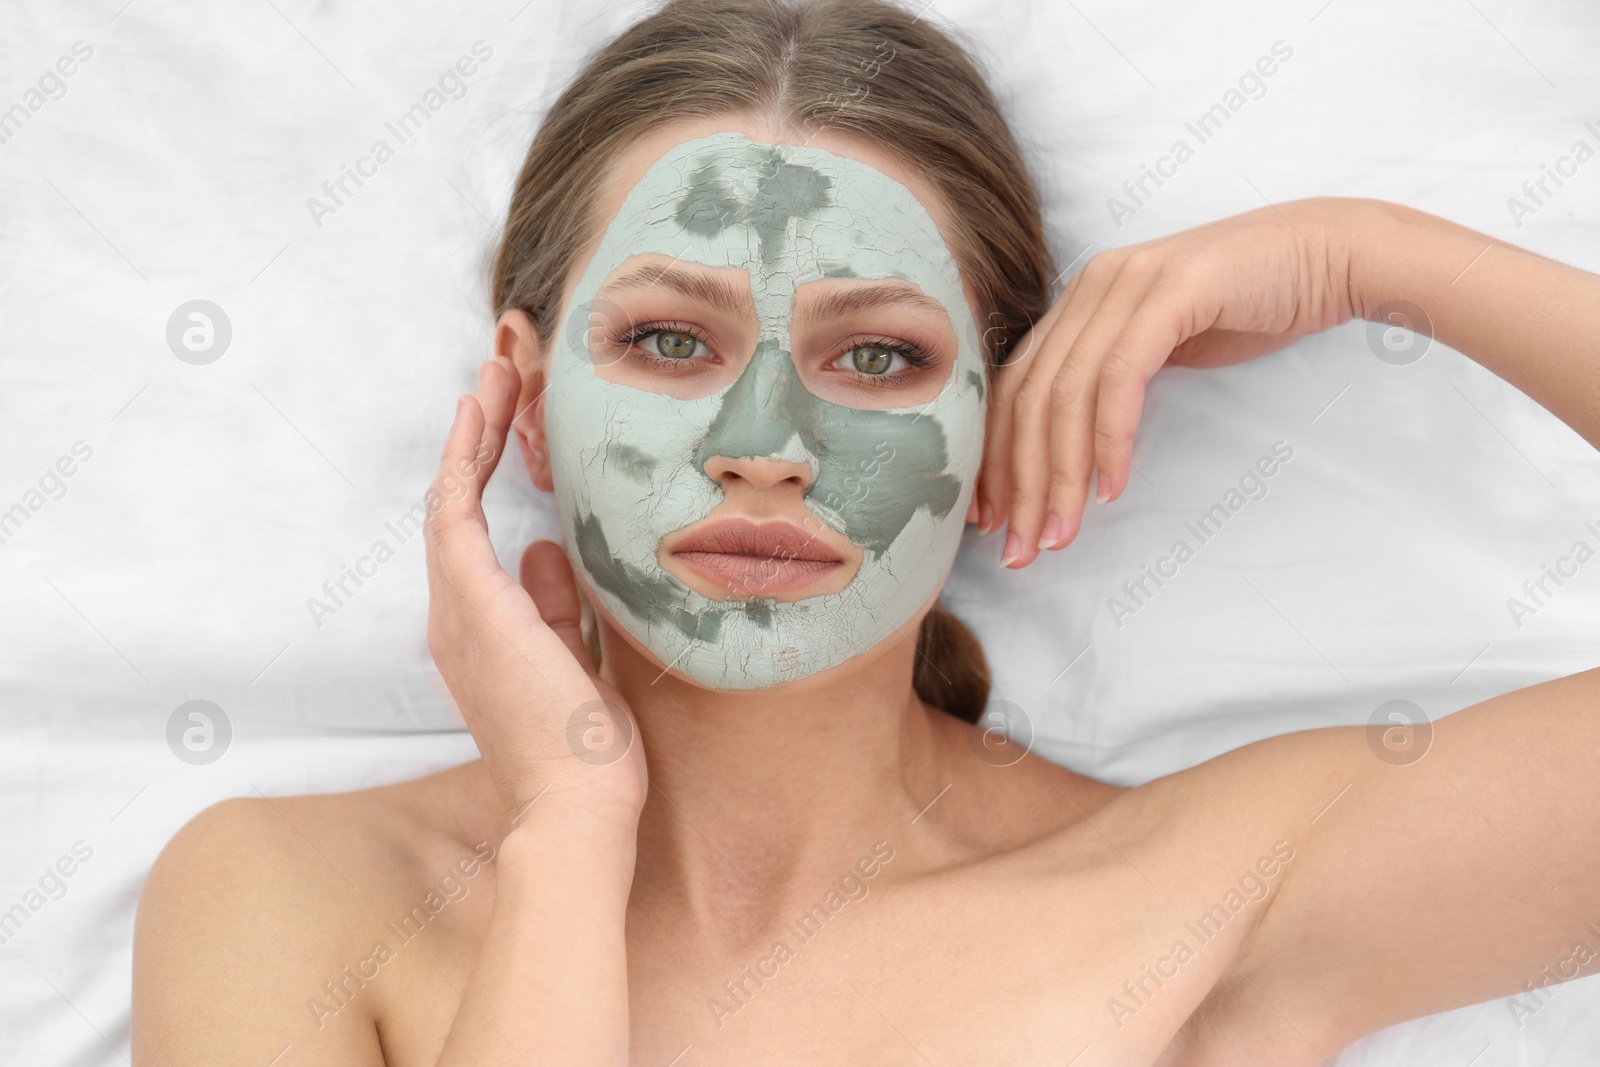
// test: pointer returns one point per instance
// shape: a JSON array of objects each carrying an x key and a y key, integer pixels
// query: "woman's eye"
[
  {"x": 672, "y": 344},
  {"x": 871, "y": 359}
]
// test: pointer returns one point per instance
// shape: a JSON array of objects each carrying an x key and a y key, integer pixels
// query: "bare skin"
[{"x": 1020, "y": 904}]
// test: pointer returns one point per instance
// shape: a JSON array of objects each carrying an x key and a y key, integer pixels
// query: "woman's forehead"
[
  {"x": 758, "y": 132},
  {"x": 788, "y": 214}
]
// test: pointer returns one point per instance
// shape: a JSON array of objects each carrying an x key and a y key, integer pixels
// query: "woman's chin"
[{"x": 623, "y": 652}]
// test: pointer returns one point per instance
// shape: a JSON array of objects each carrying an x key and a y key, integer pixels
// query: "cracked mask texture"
[{"x": 629, "y": 464}]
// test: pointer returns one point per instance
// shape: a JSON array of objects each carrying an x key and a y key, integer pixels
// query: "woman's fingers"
[
  {"x": 1022, "y": 448},
  {"x": 472, "y": 447},
  {"x": 1053, "y": 442},
  {"x": 994, "y": 477},
  {"x": 455, "y": 521},
  {"x": 510, "y": 653},
  {"x": 1173, "y": 309},
  {"x": 548, "y": 578},
  {"x": 994, "y": 483},
  {"x": 498, "y": 386},
  {"x": 473, "y": 602},
  {"x": 461, "y": 562},
  {"x": 1067, "y": 413},
  {"x": 471, "y": 452},
  {"x": 1136, "y": 355},
  {"x": 1074, "y": 429}
]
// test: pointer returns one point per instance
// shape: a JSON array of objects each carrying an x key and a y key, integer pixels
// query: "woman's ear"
[{"x": 517, "y": 339}]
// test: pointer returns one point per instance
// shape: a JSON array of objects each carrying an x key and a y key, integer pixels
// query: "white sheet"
[{"x": 177, "y": 165}]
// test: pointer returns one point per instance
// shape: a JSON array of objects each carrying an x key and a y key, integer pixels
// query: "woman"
[{"x": 773, "y": 322}]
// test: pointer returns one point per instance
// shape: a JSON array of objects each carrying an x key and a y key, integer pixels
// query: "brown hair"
[{"x": 867, "y": 67}]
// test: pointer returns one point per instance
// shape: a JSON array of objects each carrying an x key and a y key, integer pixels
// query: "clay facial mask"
[{"x": 631, "y": 459}]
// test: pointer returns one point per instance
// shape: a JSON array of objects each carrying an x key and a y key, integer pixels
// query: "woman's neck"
[{"x": 757, "y": 794}]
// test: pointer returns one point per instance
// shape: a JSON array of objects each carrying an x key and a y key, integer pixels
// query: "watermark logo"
[
  {"x": 600, "y": 732},
  {"x": 339, "y": 189},
  {"x": 51, "y": 886},
  {"x": 851, "y": 888},
  {"x": 1252, "y": 887},
  {"x": 1251, "y": 85},
  {"x": 1004, "y": 734},
  {"x": 199, "y": 732},
  {"x": 337, "y": 591},
  {"x": 1399, "y": 733},
  {"x": 1537, "y": 592},
  {"x": 1536, "y": 192},
  {"x": 339, "y": 992},
  {"x": 52, "y": 485},
  {"x": 1140, "y": 589},
  {"x": 1400, "y": 333},
  {"x": 1551, "y": 979},
  {"x": 51, "y": 86},
  {"x": 199, "y": 332}
]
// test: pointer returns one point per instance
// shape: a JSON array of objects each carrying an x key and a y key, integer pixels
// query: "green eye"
[
  {"x": 872, "y": 359},
  {"x": 674, "y": 344}
]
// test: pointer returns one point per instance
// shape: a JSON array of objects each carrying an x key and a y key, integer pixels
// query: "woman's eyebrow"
[
  {"x": 845, "y": 302},
  {"x": 718, "y": 292}
]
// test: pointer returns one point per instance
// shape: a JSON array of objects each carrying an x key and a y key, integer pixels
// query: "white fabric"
[{"x": 177, "y": 565}]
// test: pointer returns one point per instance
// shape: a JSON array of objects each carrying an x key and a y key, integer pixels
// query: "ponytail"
[{"x": 951, "y": 673}]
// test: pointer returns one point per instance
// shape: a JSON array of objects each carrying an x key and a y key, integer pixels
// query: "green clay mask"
[{"x": 631, "y": 462}]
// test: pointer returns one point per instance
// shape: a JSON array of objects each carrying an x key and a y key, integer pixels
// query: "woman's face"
[{"x": 765, "y": 405}]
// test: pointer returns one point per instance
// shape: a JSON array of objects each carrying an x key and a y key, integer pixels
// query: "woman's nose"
[{"x": 757, "y": 472}]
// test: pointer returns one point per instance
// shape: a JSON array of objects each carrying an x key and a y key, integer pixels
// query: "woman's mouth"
[{"x": 754, "y": 559}]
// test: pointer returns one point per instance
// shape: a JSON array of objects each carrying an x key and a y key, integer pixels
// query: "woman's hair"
[{"x": 866, "y": 67}]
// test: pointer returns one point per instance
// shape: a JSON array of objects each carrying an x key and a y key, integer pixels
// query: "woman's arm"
[
  {"x": 1531, "y": 320},
  {"x": 550, "y": 984},
  {"x": 551, "y": 981},
  {"x": 1473, "y": 872}
]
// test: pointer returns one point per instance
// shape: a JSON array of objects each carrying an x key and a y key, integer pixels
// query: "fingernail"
[
  {"x": 985, "y": 516},
  {"x": 1013, "y": 549},
  {"x": 461, "y": 404},
  {"x": 1102, "y": 487},
  {"x": 1052, "y": 531},
  {"x": 1069, "y": 530}
]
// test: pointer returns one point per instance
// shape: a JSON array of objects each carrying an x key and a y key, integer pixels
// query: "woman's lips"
[
  {"x": 756, "y": 558},
  {"x": 756, "y": 575}
]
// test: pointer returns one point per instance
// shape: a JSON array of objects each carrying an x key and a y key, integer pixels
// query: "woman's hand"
[
  {"x": 550, "y": 981},
  {"x": 1067, "y": 403},
  {"x": 548, "y": 728}
]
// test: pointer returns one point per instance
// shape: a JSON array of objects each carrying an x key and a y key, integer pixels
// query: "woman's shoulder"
[
  {"x": 259, "y": 904},
  {"x": 276, "y": 848}
]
